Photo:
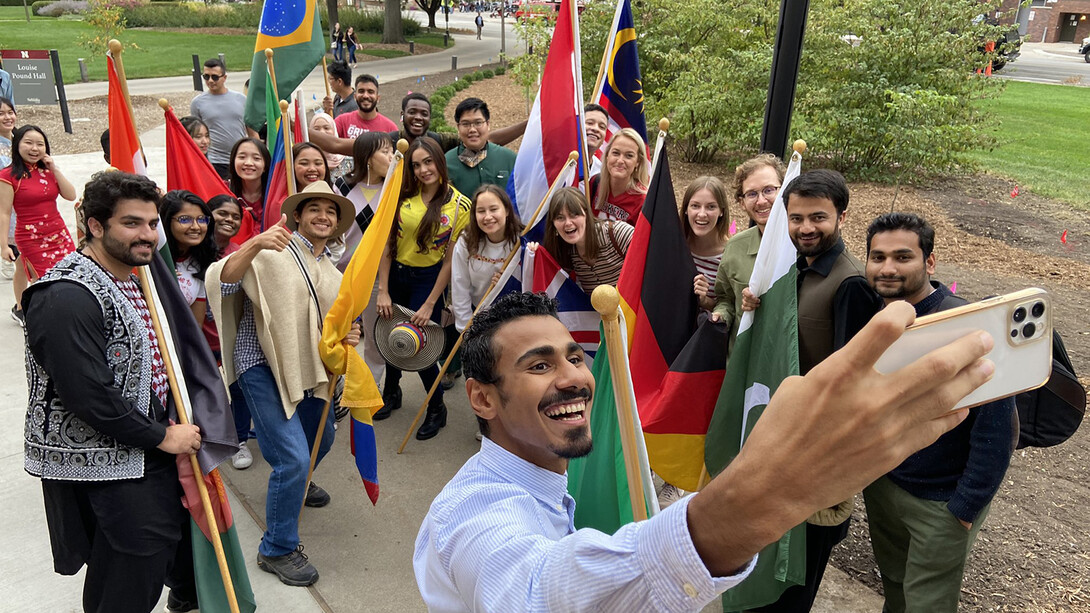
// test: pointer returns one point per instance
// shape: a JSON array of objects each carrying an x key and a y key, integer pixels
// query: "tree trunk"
[
  {"x": 431, "y": 17},
  {"x": 331, "y": 11},
  {"x": 391, "y": 25}
]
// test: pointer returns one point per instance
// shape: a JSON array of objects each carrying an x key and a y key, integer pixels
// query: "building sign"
[{"x": 31, "y": 76}]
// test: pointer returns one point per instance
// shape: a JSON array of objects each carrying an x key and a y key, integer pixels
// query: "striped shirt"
[
  {"x": 501, "y": 537},
  {"x": 606, "y": 268},
  {"x": 708, "y": 265}
]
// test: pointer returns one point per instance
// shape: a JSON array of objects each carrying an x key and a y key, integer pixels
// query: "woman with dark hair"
[
  {"x": 415, "y": 270},
  {"x": 590, "y": 249},
  {"x": 310, "y": 165},
  {"x": 226, "y": 219},
  {"x": 198, "y": 131},
  {"x": 7, "y": 130},
  {"x": 249, "y": 176},
  {"x": 29, "y": 186},
  {"x": 704, "y": 222},
  {"x": 492, "y": 233},
  {"x": 187, "y": 220}
]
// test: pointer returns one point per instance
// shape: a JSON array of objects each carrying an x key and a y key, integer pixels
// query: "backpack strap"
[
  {"x": 613, "y": 239},
  {"x": 293, "y": 249}
]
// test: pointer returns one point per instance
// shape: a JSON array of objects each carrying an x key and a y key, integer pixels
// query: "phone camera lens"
[
  {"x": 1014, "y": 333},
  {"x": 1020, "y": 314},
  {"x": 1038, "y": 309},
  {"x": 1028, "y": 330}
]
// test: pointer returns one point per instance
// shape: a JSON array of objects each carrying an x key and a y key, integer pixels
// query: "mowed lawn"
[
  {"x": 157, "y": 53},
  {"x": 1044, "y": 140}
]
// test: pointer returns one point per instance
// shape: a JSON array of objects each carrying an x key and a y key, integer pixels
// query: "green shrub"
[
  {"x": 193, "y": 15},
  {"x": 500, "y": 70},
  {"x": 487, "y": 74},
  {"x": 38, "y": 5}
]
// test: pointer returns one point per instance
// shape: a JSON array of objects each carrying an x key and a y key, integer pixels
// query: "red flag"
[
  {"x": 125, "y": 153},
  {"x": 187, "y": 167}
]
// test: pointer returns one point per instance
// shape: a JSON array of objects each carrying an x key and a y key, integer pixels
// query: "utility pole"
[{"x": 785, "y": 74}]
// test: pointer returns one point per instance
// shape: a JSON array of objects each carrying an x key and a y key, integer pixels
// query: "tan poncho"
[{"x": 284, "y": 314}]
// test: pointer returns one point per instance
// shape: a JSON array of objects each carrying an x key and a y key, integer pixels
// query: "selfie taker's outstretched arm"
[{"x": 825, "y": 436}]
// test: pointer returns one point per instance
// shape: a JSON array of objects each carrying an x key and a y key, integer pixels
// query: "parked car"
[{"x": 1085, "y": 49}]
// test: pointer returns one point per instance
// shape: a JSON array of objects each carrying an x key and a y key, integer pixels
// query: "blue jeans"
[
  {"x": 241, "y": 412},
  {"x": 285, "y": 444},
  {"x": 410, "y": 286}
]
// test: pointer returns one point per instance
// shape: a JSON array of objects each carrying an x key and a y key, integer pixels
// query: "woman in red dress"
[
  {"x": 29, "y": 187},
  {"x": 249, "y": 174}
]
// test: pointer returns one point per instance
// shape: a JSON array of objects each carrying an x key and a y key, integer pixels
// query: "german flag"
[{"x": 660, "y": 308}]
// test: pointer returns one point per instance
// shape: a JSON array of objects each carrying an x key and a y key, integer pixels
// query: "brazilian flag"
[{"x": 293, "y": 30}]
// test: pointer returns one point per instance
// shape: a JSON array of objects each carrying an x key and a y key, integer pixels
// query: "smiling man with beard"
[
  {"x": 920, "y": 550},
  {"x": 501, "y": 537},
  {"x": 97, "y": 430},
  {"x": 269, "y": 299},
  {"x": 366, "y": 118}
]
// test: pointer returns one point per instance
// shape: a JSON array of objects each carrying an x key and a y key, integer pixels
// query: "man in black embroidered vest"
[
  {"x": 925, "y": 514},
  {"x": 97, "y": 432},
  {"x": 834, "y": 303},
  {"x": 269, "y": 299}
]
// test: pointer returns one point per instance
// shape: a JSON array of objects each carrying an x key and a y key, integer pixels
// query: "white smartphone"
[{"x": 1020, "y": 324}]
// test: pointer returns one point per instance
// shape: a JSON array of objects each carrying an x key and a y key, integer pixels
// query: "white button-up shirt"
[{"x": 501, "y": 537}]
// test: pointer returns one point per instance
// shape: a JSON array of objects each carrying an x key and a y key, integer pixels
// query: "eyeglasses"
[
  {"x": 768, "y": 192},
  {"x": 472, "y": 124},
  {"x": 212, "y": 77},
  {"x": 186, "y": 220}
]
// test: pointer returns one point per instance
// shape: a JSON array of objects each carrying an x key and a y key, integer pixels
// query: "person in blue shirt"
[{"x": 501, "y": 535}]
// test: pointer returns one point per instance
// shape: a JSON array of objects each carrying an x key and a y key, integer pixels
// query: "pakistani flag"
[{"x": 765, "y": 353}]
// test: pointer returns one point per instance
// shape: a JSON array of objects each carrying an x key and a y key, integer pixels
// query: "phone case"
[{"x": 1022, "y": 362}]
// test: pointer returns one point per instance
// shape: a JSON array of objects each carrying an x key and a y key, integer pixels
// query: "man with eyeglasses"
[
  {"x": 475, "y": 161},
  {"x": 366, "y": 118},
  {"x": 222, "y": 111}
]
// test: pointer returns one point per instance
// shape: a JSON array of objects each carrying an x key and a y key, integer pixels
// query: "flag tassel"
[
  {"x": 572, "y": 158},
  {"x": 607, "y": 302},
  {"x": 164, "y": 349}
]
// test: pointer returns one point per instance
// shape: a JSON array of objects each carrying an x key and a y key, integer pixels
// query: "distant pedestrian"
[
  {"x": 336, "y": 37},
  {"x": 353, "y": 44},
  {"x": 480, "y": 24},
  {"x": 222, "y": 111}
]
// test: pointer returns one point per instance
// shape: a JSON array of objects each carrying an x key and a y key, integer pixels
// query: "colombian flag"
[
  {"x": 293, "y": 30},
  {"x": 620, "y": 92},
  {"x": 361, "y": 395},
  {"x": 281, "y": 182}
]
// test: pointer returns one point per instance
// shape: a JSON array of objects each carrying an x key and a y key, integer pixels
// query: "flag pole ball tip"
[
  {"x": 664, "y": 125},
  {"x": 268, "y": 53},
  {"x": 402, "y": 146},
  {"x": 799, "y": 146},
  {"x": 114, "y": 45},
  {"x": 573, "y": 156},
  {"x": 164, "y": 104},
  {"x": 283, "y": 106},
  {"x": 605, "y": 299}
]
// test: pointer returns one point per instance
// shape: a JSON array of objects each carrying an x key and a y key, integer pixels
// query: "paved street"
[{"x": 1048, "y": 63}]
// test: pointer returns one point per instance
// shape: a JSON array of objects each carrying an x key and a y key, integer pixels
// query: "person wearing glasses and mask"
[
  {"x": 756, "y": 183},
  {"x": 221, "y": 110},
  {"x": 475, "y": 161}
]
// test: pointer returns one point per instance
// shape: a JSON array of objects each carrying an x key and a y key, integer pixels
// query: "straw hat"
[
  {"x": 406, "y": 345},
  {"x": 321, "y": 189}
]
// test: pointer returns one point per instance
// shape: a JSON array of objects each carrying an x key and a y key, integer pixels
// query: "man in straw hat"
[
  {"x": 98, "y": 433},
  {"x": 500, "y": 536},
  {"x": 269, "y": 300}
]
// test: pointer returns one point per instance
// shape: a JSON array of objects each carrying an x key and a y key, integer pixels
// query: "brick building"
[{"x": 1050, "y": 21}]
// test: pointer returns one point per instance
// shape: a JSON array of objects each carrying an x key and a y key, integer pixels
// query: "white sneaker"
[
  {"x": 669, "y": 495},
  {"x": 243, "y": 459}
]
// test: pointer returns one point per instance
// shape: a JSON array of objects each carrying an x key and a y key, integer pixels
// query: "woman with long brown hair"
[{"x": 415, "y": 270}]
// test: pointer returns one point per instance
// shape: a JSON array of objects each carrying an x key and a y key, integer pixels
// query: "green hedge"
[
  {"x": 172, "y": 14},
  {"x": 34, "y": 6},
  {"x": 442, "y": 97},
  {"x": 368, "y": 20}
]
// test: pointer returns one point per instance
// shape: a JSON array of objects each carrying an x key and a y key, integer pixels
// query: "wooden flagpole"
[
  {"x": 572, "y": 157},
  {"x": 325, "y": 79},
  {"x": 115, "y": 53},
  {"x": 607, "y": 300},
  {"x": 289, "y": 159},
  {"x": 165, "y": 351}
]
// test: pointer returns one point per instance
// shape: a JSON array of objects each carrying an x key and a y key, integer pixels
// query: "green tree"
[{"x": 391, "y": 25}]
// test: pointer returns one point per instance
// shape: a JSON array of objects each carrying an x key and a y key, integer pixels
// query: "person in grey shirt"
[
  {"x": 340, "y": 82},
  {"x": 222, "y": 111}
]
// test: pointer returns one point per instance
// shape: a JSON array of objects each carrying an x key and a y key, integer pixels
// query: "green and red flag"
[
  {"x": 293, "y": 30},
  {"x": 766, "y": 351},
  {"x": 204, "y": 398},
  {"x": 599, "y": 481}
]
